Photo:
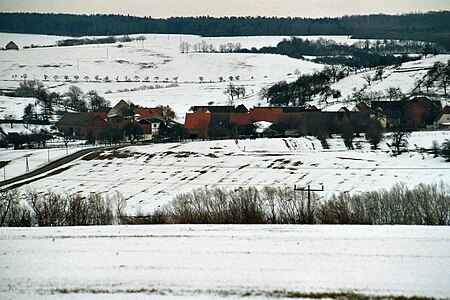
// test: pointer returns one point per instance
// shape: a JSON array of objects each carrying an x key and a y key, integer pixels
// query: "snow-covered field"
[
  {"x": 16, "y": 160},
  {"x": 223, "y": 262},
  {"x": 150, "y": 176}
]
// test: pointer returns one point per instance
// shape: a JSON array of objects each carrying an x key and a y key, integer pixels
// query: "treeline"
[
  {"x": 430, "y": 27},
  {"x": 421, "y": 205},
  {"x": 363, "y": 54},
  {"x": 52, "y": 209},
  {"x": 297, "y": 47},
  {"x": 49, "y": 103},
  {"x": 305, "y": 87}
]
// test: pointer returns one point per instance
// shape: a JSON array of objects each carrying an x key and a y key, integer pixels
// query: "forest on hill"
[{"x": 430, "y": 27}]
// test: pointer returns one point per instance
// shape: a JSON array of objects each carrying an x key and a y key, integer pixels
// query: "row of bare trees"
[
  {"x": 204, "y": 47},
  {"x": 425, "y": 204},
  {"x": 421, "y": 205},
  {"x": 52, "y": 209}
]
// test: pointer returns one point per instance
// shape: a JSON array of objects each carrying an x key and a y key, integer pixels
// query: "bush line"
[{"x": 425, "y": 204}]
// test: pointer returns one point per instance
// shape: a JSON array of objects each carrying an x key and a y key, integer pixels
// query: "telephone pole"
[
  {"x": 27, "y": 166},
  {"x": 309, "y": 217}
]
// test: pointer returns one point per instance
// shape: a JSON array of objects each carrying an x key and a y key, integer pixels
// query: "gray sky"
[{"x": 167, "y": 8}]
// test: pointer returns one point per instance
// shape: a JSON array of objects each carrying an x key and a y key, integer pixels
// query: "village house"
[
  {"x": 11, "y": 46},
  {"x": 83, "y": 124},
  {"x": 218, "y": 121},
  {"x": 207, "y": 122},
  {"x": 415, "y": 113},
  {"x": 93, "y": 123},
  {"x": 443, "y": 119}
]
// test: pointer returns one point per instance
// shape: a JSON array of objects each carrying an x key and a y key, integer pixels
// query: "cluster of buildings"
[
  {"x": 94, "y": 124},
  {"x": 414, "y": 114},
  {"x": 211, "y": 122}
]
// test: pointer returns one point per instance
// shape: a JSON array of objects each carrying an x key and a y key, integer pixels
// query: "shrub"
[{"x": 422, "y": 205}]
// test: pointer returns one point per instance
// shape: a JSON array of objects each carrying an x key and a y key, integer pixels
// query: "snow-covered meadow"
[
  {"x": 150, "y": 176},
  {"x": 224, "y": 262}
]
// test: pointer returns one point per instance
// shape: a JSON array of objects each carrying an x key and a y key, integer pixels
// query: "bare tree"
[
  {"x": 399, "y": 140},
  {"x": 367, "y": 78}
]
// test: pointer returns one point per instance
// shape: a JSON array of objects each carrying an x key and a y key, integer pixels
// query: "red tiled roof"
[
  {"x": 146, "y": 112},
  {"x": 269, "y": 114},
  {"x": 197, "y": 120}
]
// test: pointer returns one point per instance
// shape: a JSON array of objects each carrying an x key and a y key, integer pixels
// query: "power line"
[{"x": 309, "y": 217}]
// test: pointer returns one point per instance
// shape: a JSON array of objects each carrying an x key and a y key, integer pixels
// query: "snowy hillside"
[
  {"x": 159, "y": 60},
  {"x": 167, "y": 76},
  {"x": 404, "y": 77},
  {"x": 150, "y": 176}
]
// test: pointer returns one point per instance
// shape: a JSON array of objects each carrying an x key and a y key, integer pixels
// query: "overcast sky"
[{"x": 168, "y": 8}]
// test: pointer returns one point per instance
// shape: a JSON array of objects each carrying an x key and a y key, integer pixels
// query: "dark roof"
[
  {"x": 433, "y": 103},
  {"x": 293, "y": 109},
  {"x": 241, "y": 109},
  {"x": 392, "y": 109},
  {"x": 362, "y": 107},
  {"x": 151, "y": 120},
  {"x": 104, "y": 109},
  {"x": 77, "y": 119},
  {"x": 12, "y": 45},
  {"x": 122, "y": 109},
  {"x": 444, "y": 111},
  {"x": 215, "y": 109}
]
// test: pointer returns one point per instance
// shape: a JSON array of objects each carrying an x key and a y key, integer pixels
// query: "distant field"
[{"x": 150, "y": 176}]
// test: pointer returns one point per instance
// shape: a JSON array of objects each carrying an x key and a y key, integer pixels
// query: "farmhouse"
[
  {"x": 93, "y": 123},
  {"x": 83, "y": 124},
  {"x": 443, "y": 119},
  {"x": 151, "y": 124},
  {"x": 11, "y": 46},
  {"x": 415, "y": 113},
  {"x": 228, "y": 121}
]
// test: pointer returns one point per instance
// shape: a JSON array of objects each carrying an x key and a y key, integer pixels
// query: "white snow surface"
[
  {"x": 213, "y": 261},
  {"x": 17, "y": 159},
  {"x": 153, "y": 175}
]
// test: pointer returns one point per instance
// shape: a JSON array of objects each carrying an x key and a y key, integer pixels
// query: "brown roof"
[
  {"x": 146, "y": 113},
  {"x": 215, "y": 109},
  {"x": 79, "y": 118}
]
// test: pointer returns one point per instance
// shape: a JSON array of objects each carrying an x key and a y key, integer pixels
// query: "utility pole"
[
  {"x": 309, "y": 217},
  {"x": 27, "y": 166}
]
